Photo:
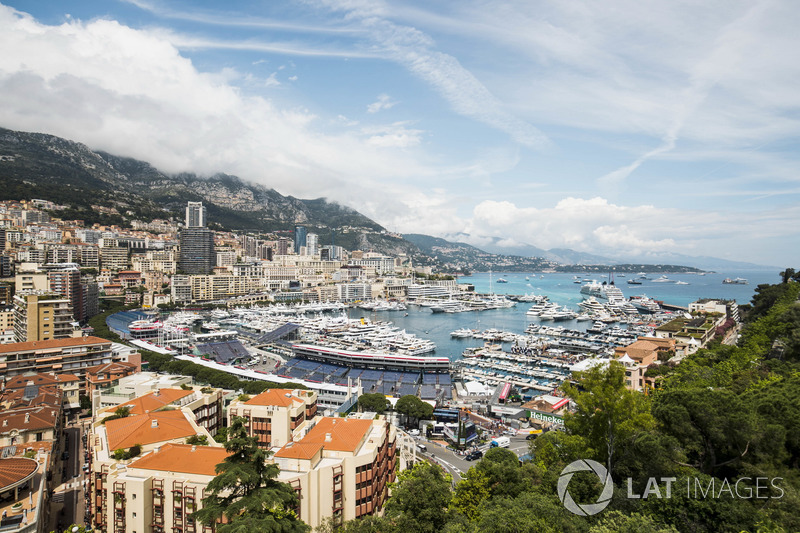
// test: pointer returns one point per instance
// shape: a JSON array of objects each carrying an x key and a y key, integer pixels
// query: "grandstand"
[
  {"x": 118, "y": 322},
  {"x": 283, "y": 331},
  {"x": 223, "y": 352},
  {"x": 428, "y": 392}
]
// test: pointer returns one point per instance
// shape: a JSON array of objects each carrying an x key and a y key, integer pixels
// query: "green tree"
[
  {"x": 619, "y": 522},
  {"x": 470, "y": 493},
  {"x": 607, "y": 415},
  {"x": 420, "y": 499},
  {"x": 713, "y": 426},
  {"x": 246, "y": 492},
  {"x": 530, "y": 512},
  {"x": 197, "y": 440},
  {"x": 412, "y": 407},
  {"x": 373, "y": 402}
]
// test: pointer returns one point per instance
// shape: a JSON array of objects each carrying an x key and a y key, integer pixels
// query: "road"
[
  {"x": 72, "y": 480},
  {"x": 456, "y": 465}
]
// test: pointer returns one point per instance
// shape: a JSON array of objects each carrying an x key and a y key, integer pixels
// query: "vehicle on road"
[
  {"x": 502, "y": 442},
  {"x": 422, "y": 447},
  {"x": 474, "y": 455},
  {"x": 414, "y": 432}
]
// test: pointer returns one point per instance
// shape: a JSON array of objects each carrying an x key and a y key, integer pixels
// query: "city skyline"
[{"x": 617, "y": 129}]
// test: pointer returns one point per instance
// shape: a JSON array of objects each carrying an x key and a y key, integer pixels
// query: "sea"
[{"x": 560, "y": 288}]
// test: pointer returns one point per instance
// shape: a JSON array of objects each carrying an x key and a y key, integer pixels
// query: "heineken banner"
[{"x": 547, "y": 417}]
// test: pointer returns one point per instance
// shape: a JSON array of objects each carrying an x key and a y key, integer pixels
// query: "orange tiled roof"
[
  {"x": 345, "y": 434},
  {"x": 155, "y": 400},
  {"x": 43, "y": 417},
  {"x": 51, "y": 344},
  {"x": 275, "y": 397},
  {"x": 300, "y": 450},
  {"x": 15, "y": 469},
  {"x": 138, "y": 429},
  {"x": 181, "y": 458},
  {"x": 40, "y": 379},
  {"x": 116, "y": 366}
]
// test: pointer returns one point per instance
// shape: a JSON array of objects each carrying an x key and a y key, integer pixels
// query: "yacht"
[
  {"x": 502, "y": 280},
  {"x": 737, "y": 281},
  {"x": 662, "y": 279},
  {"x": 634, "y": 281}
]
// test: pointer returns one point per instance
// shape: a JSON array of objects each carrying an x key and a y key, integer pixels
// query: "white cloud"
[
  {"x": 393, "y": 135},
  {"x": 272, "y": 81},
  {"x": 130, "y": 92},
  {"x": 384, "y": 101}
]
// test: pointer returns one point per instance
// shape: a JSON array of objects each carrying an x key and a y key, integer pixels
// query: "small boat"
[
  {"x": 634, "y": 282},
  {"x": 502, "y": 280}
]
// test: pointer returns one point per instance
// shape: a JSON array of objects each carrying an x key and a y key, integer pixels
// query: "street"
[
  {"x": 456, "y": 465},
  {"x": 69, "y": 496}
]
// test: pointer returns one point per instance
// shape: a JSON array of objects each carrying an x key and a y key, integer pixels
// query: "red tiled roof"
[
  {"x": 40, "y": 379},
  {"x": 335, "y": 434},
  {"x": 139, "y": 429},
  {"x": 51, "y": 344},
  {"x": 155, "y": 400},
  {"x": 15, "y": 469},
  {"x": 275, "y": 397},
  {"x": 183, "y": 458}
]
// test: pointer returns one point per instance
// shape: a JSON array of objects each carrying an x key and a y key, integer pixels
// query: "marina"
[{"x": 530, "y": 338}]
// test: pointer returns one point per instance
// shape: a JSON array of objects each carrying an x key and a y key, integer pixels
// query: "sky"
[{"x": 627, "y": 129}]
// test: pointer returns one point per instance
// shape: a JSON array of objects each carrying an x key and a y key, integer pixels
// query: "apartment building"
[
  {"x": 119, "y": 496},
  {"x": 69, "y": 384},
  {"x": 276, "y": 416},
  {"x": 157, "y": 492},
  {"x": 60, "y": 356},
  {"x": 42, "y": 316},
  {"x": 107, "y": 375},
  {"x": 341, "y": 469}
]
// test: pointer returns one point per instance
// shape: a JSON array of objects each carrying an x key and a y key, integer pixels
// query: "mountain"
[
  {"x": 36, "y": 165},
  {"x": 461, "y": 257}
]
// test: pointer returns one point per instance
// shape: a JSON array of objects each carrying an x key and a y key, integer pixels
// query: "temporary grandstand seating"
[
  {"x": 410, "y": 377},
  {"x": 225, "y": 351},
  {"x": 429, "y": 379},
  {"x": 276, "y": 334},
  {"x": 428, "y": 392},
  {"x": 406, "y": 389}
]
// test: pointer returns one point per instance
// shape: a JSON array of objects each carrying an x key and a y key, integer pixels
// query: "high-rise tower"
[{"x": 195, "y": 215}]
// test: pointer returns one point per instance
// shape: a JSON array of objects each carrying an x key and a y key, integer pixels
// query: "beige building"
[
  {"x": 61, "y": 356},
  {"x": 276, "y": 416},
  {"x": 120, "y": 497},
  {"x": 69, "y": 384},
  {"x": 41, "y": 316},
  {"x": 340, "y": 469},
  {"x": 31, "y": 281}
]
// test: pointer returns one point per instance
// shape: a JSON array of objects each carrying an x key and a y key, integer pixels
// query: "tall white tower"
[{"x": 195, "y": 215}]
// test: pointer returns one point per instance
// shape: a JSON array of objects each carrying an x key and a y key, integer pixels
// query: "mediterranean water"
[{"x": 559, "y": 288}]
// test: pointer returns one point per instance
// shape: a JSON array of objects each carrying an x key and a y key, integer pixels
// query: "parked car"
[
  {"x": 474, "y": 455},
  {"x": 414, "y": 432}
]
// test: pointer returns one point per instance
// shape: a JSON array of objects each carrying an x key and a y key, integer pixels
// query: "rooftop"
[
  {"x": 156, "y": 399},
  {"x": 15, "y": 347},
  {"x": 183, "y": 458},
  {"x": 277, "y": 397},
  {"x": 149, "y": 428}
]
